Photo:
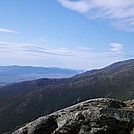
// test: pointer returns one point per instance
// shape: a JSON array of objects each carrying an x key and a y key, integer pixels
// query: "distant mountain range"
[
  {"x": 25, "y": 101},
  {"x": 13, "y": 74}
]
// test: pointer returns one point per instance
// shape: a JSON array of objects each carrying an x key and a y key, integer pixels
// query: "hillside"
[
  {"x": 14, "y": 74},
  {"x": 25, "y": 101}
]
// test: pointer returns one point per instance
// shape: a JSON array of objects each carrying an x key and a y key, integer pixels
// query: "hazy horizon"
[
  {"x": 64, "y": 67},
  {"x": 80, "y": 34}
]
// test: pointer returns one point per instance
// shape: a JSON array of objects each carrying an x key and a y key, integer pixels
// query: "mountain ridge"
[{"x": 45, "y": 96}]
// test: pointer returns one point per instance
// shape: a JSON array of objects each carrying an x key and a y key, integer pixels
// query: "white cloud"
[
  {"x": 80, "y": 6},
  {"x": 116, "y": 47},
  {"x": 121, "y": 12},
  {"x": 7, "y": 31},
  {"x": 29, "y": 49},
  {"x": 79, "y": 58}
]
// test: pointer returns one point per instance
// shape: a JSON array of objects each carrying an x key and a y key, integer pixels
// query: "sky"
[{"x": 76, "y": 34}]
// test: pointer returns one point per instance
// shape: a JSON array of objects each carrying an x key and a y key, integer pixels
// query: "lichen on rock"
[{"x": 96, "y": 116}]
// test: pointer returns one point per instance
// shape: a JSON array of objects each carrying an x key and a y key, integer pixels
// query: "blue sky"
[{"x": 79, "y": 34}]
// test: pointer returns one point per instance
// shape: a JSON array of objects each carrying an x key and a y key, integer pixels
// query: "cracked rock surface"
[{"x": 95, "y": 116}]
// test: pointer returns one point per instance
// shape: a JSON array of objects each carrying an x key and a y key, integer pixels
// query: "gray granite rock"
[{"x": 96, "y": 116}]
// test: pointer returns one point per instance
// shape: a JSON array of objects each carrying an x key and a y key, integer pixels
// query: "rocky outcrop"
[{"x": 96, "y": 116}]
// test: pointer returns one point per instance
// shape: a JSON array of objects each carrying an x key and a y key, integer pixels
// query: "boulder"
[{"x": 95, "y": 116}]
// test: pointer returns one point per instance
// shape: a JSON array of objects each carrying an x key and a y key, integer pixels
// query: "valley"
[{"x": 25, "y": 101}]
